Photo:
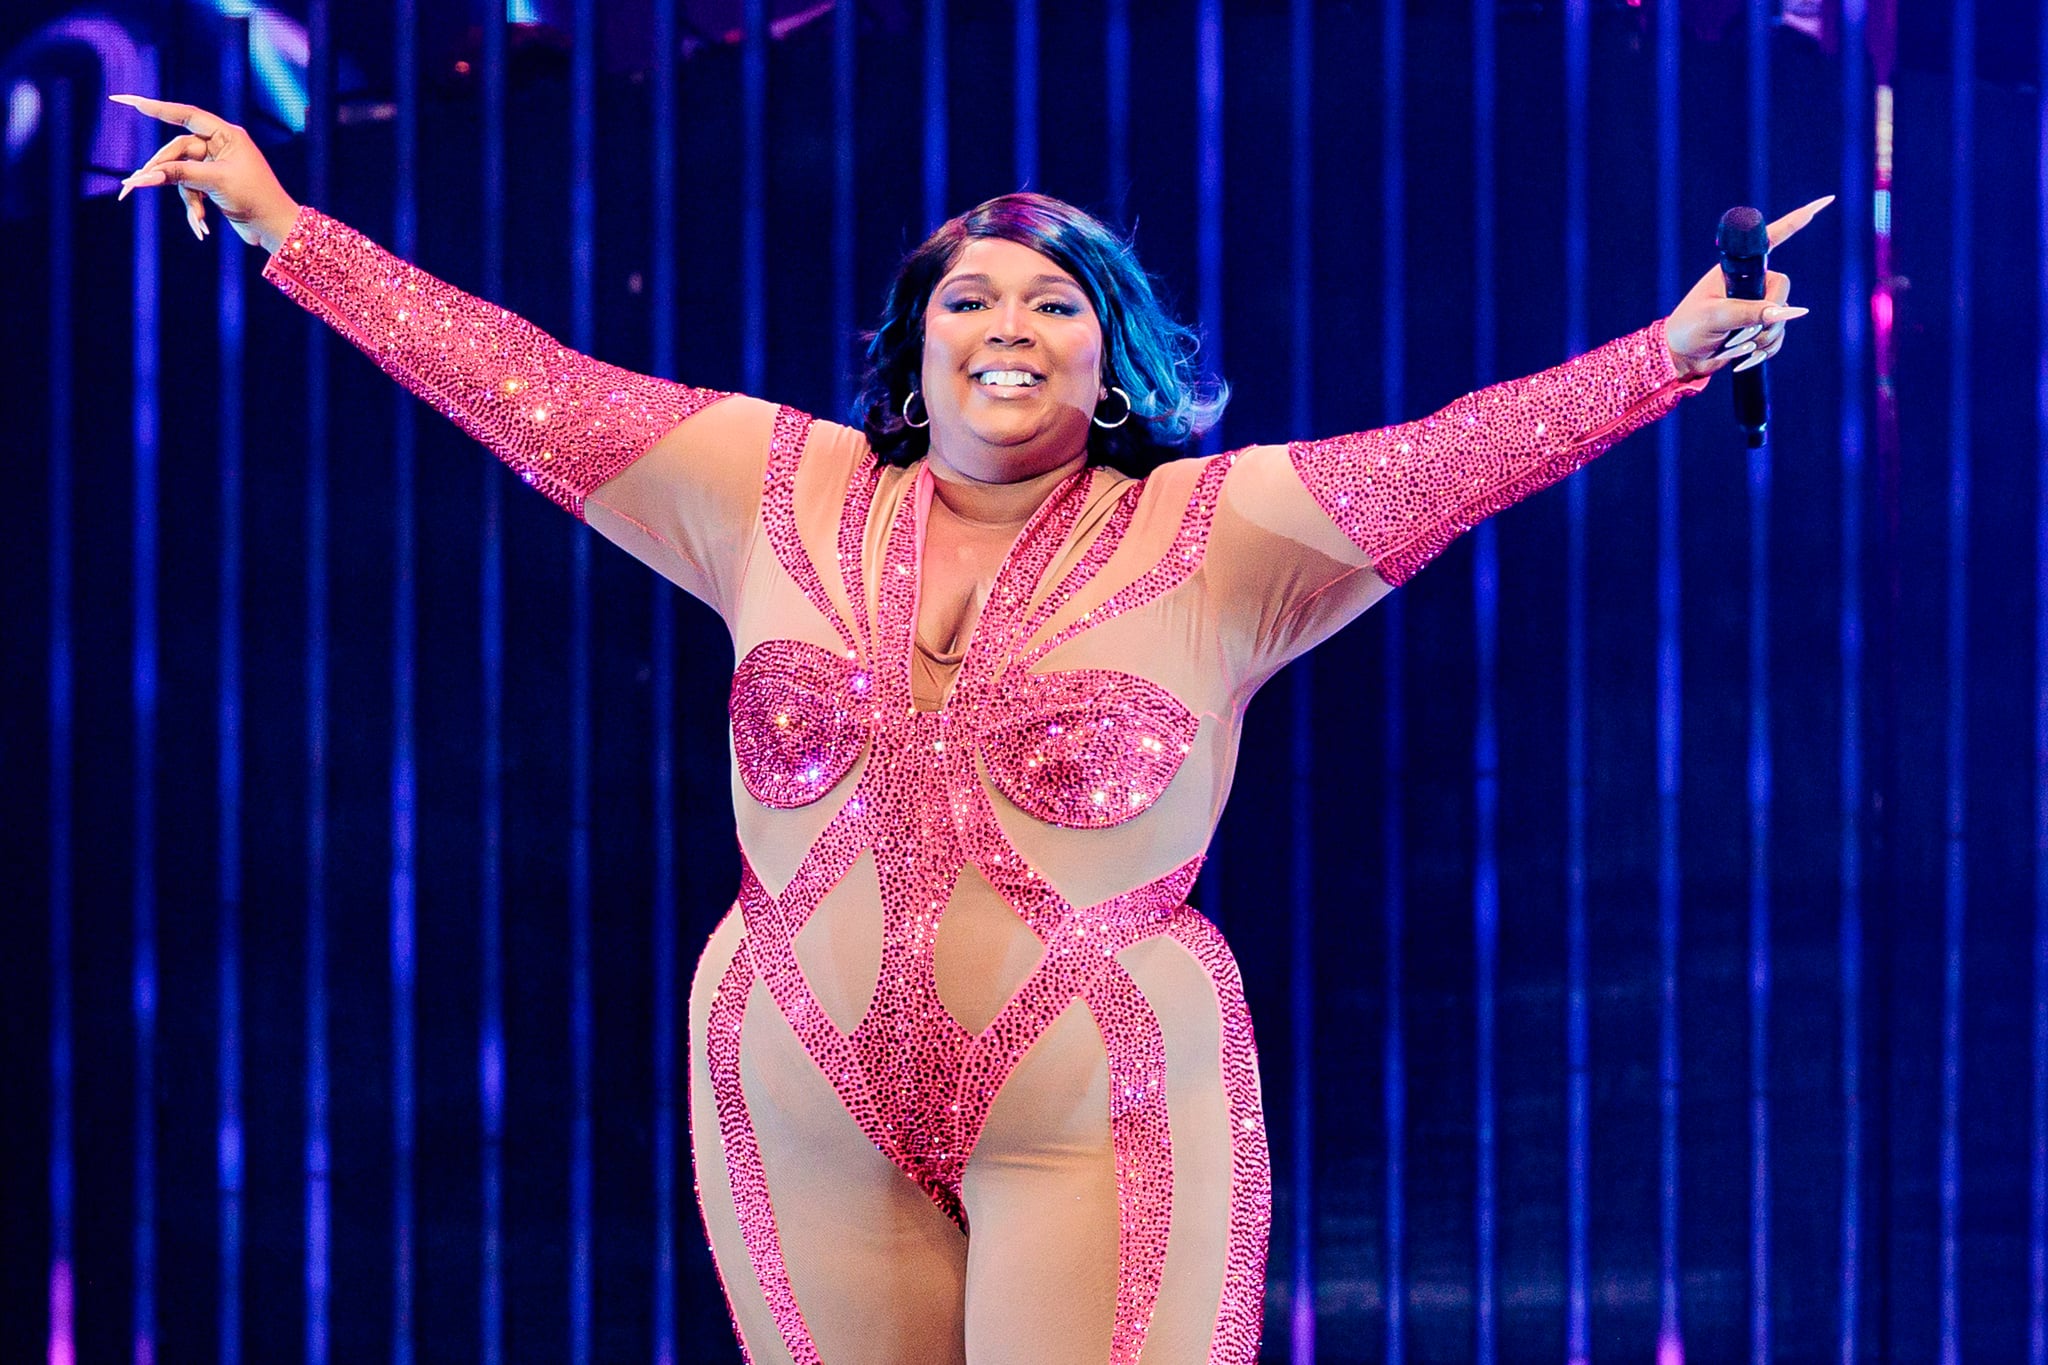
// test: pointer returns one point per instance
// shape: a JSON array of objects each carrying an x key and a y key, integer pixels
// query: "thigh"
[
  {"x": 1042, "y": 1199},
  {"x": 874, "y": 1271}
]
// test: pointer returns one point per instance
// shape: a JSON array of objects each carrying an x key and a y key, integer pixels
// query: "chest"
[
  {"x": 958, "y": 568},
  {"x": 1084, "y": 747}
]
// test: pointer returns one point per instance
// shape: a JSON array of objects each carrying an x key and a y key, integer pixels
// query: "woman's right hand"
[{"x": 215, "y": 160}]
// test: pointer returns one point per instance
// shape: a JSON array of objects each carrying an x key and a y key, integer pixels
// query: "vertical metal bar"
[
  {"x": 143, "y": 707},
  {"x": 664, "y": 697},
  {"x": 1761, "y": 758},
  {"x": 754, "y": 210},
  {"x": 1394, "y": 369},
  {"x": 234, "y": 65},
  {"x": 583, "y": 327},
  {"x": 844, "y": 21},
  {"x": 1955, "y": 883},
  {"x": 491, "y": 648},
  {"x": 935, "y": 193},
  {"x": 1485, "y": 733},
  {"x": 319, "y": 119},
  {"x": 404, "y": 633},
  {"x": 1301, "y": 967},
  {"x": 1116, "y": 96},
  {"x": 1855, "y": 298},
  {"x": 1026, "y": 110},
  {"x": 60, "y": 1345},
  {"x": 1670, "y": 727},
  {"x": 1578, "y": 1081}
]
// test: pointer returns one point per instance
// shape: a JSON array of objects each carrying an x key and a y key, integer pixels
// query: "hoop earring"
[
  {"x": 1121, "y": 420},
  {"x": 908, "y": 398}
]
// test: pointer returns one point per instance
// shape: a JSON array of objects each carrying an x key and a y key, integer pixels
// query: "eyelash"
[{"x": 1066, "y": 310}]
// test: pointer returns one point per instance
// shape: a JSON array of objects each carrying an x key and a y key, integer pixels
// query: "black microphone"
[{"x": 1745, "y": 244}]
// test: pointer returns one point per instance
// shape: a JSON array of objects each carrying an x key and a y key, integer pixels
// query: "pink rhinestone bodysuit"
[{"x": 970, "y": 1080}]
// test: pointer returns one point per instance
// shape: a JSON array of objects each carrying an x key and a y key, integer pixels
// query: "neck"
[{"x": 996, "y": 505}]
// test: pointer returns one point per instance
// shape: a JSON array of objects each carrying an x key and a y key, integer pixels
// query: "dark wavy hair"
[{"x": 1146, "y": 352}]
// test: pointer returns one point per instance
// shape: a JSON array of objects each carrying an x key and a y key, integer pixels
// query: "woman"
[{"x": 969, "y": 1080}]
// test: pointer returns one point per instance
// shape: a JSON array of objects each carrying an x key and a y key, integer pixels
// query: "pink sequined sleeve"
[
  {"x": 564, "y": 423},
  {"x": 1296, "y": 526},
  {"x": 1402, "y": 493}
]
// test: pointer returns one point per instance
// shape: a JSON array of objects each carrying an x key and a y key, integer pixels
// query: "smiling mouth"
[{"x": 1008, "y": 379}]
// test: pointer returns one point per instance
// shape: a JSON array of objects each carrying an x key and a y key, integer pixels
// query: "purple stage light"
[
  {"x": 1394, "y": 399},
  {"x": 230, "y": 330},
  {"x": 583, "y": 336},
  {"x": 935, "y": 198},
  {"x": 491, "y": 649},
  {"x": 143, "y": 681},
  {"x": 1025, "y": 154},
  {"x": 1670, "y": 722},
  {"x": 663, "y": 701},
  {"x": 1849, "y": 634},
  {"x": 1301, "y": 1326},
  {"x": 404, "y": 795},
  {"x": 1955, "y": 882},
  {"x": 1578, "y": 1079},
  {"x": 60, "y": 1341},
  {"x": 2038, "y": 1128},
  {"x": 1485, "y": 722},
  {"x": 2037, "y": 1192},
  {"x": 1761, "y": 759}
]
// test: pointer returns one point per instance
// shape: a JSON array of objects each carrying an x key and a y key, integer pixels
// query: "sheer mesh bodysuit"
[{"x": 969, "y": 1079}]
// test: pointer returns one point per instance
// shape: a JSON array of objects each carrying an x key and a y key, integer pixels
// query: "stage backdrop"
[{"x": 1641, "y": 912}]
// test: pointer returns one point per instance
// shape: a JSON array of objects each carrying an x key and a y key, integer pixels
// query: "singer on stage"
[{"x": 970, "y": 1081}]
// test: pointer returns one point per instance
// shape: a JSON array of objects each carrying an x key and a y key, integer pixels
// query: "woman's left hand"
[{"x": 1709, "y": 331}]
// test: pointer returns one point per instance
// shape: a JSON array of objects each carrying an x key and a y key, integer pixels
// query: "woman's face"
[{"x": 1012, "y": 363}]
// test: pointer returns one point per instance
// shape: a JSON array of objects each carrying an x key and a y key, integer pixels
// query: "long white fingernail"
[
  {"x": 1736, "y": 339},
  {"x": 1755, "y": 360}
]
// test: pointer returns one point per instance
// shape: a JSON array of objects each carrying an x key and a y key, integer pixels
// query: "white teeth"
[{"x": 1015, "y": 377}]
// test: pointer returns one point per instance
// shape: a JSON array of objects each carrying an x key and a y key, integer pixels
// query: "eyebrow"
[{"x": 1037, "y": 281}]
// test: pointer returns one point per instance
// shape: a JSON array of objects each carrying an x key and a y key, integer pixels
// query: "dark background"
[{"x": 1935, "y": 961}]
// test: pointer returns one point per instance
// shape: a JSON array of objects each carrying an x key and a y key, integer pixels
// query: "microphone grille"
[{"x": 1742, "y": 233}]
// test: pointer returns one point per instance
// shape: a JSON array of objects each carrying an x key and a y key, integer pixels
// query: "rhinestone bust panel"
[{"x": 800, "y": 715}]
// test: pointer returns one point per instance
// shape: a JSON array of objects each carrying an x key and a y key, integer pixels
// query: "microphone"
[{"x": 1745, "y": 243}]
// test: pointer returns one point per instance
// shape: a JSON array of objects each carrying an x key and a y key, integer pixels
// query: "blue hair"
[{"x": 1147, "y": 352}]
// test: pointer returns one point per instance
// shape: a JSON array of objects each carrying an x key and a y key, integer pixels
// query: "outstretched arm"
[
  {"x": 564, "y": 422},
  {"x": 1400, "y": 494},
  {"x": 567, "y": 424},
  {"x": 1309, "y": 535}
]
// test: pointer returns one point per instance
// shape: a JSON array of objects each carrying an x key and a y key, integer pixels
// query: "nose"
[{"x": 1009, "y": 324}]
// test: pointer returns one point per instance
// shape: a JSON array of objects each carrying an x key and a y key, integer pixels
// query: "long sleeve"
[
  {"x": 1310, "y": 534},
  {"x": 564, "y": 422}
]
